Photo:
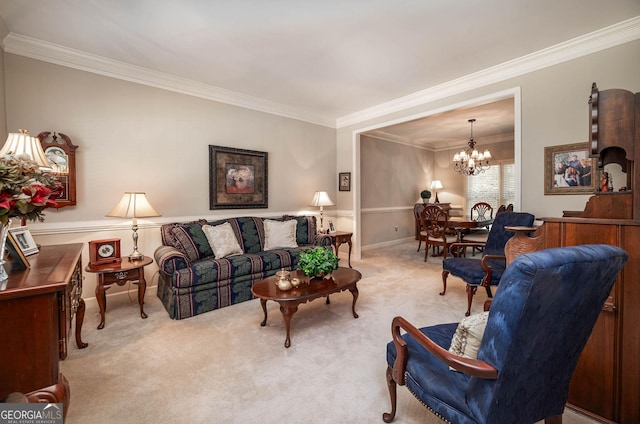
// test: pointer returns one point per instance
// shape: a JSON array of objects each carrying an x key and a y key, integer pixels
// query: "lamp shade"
[
  {"x": 22, "y": 143},
  {"x": 436, "y": 185},
  {"x": 321, "y": 198},
  {"x": 133, "y": 205}
]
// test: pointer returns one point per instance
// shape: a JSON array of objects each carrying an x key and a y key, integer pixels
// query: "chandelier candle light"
[
  {"x": 469, "y": 161},
  {"x": 134, "y": 205},
  {"x": 322, "y": 199}
]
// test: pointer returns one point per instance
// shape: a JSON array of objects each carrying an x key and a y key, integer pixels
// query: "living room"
[{"x": 137, "y": 130}]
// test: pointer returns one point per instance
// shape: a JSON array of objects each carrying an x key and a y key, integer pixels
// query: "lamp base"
[{"x": 135, "y": 256}]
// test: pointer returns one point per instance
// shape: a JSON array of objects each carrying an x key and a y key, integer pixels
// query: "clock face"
[{"x": 105, "y": 250}]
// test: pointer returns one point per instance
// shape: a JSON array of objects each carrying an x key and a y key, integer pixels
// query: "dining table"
[{"x": 466, "y": 222}]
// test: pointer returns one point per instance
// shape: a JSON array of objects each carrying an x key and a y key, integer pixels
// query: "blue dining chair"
[
  {"x": 486, "y": 271},
  {"x": 538, "y": 324}
]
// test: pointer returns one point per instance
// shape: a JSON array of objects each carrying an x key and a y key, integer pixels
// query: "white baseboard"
[{"x": 386, "y": 243}]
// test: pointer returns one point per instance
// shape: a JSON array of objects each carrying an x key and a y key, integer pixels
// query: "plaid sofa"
[{"x": 191, "y": 281}]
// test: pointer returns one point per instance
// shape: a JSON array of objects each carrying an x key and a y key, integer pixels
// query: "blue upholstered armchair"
[
  {"x": 487, "y": 271},
  {"x": 538, "y": 324}
]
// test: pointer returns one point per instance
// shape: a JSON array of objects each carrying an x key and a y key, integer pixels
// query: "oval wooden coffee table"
[{"x": 309, "y": 289}]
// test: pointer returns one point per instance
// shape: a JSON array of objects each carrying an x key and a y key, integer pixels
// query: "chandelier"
[{"x": 469, "y": 161}]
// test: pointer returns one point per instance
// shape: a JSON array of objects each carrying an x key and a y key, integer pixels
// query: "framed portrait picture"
[
  {"x": 18, "y": 259},
  {"x": 344, "y": 181},
  {"x": 238, "y": 178},
  {"x": 332, "y": 228},
  {"x": 24, "y": 240},
  {"x": 568, "y": 169}
]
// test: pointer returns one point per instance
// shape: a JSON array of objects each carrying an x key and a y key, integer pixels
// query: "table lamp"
[
  {"x": 436, "y": 185},
  {"x": 134, "y": 205},
  {"x": 22, "y": 143},
  {"x": 322, "y": 199}
]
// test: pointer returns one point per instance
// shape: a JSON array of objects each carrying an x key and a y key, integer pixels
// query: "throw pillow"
[
  {"x": 190, "y": 240},
  {"x": 278, "y": 234},
  {"x": 468, "y": 336},
  {"x": 222, "y": 239}
]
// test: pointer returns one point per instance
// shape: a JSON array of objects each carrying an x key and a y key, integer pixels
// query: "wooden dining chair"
[
  {"x": 417, "y": 209},
  {"x": 434, "y": 222},
  {"x": 481, "y": 211}
]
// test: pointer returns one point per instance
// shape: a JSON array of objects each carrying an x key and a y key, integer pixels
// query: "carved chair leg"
[
  {"x": 554, "y": 419},
  {"x": 445, "y": 274},
  {"x": 419, "y": 244},
  {"x": 387, "y": 417},
  {"x": 426, "y": 250},
  {"x": 471, "y": 290},
  {"x": 489, "y": 292}
]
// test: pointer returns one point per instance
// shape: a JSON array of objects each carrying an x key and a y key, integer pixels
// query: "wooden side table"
[
  {"x": 340, "y": 237},
  {"x": 119, "y": 273}
]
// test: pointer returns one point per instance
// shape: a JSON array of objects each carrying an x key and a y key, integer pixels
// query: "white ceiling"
[{"x": 324, "y": 59}]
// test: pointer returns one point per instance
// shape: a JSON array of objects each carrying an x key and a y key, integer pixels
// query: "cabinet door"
[
  {"x": 29, "y": 334},
  {"x": 595, "y": 382}
]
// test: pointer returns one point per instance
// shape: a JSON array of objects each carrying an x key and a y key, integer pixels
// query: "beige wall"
[
  {"x": 554, "y": 111},
  {"x": 393, "y": 175},
  {"x": 137, "y": 138}
]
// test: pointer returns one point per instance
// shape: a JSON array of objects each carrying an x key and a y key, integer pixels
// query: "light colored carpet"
[{"x": 222, "y": 367}]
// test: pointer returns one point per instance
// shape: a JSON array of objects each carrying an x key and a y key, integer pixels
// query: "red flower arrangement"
[{"x": 25, "y": 191}]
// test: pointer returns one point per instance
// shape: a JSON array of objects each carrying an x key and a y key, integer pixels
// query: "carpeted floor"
[{"x": 222, "y": 367}]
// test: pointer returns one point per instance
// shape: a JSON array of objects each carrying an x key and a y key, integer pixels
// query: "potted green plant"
[
  {"x": 426, "y": 195},
  {"x": 317, "y": 262}
]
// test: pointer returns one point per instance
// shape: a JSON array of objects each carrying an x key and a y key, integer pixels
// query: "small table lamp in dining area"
[
  {"x": 436, "y": 185},
  {"x": 134, "y": 205},
  {"x": 322, "y": 199}
]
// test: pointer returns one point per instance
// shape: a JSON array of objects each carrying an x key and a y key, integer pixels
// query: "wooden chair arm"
[
  {"x": 456, "y": 247},
  {"x": 486, "y": 258},
  {"x": 488, "y": 271},
  {"x": 472, "y": 367}
]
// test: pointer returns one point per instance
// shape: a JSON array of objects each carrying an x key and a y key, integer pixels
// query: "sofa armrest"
[
  {"x": 170, "y": 259},
  {"x": 322, "y": 240}
]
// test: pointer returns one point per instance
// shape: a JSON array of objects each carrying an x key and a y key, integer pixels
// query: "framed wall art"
[
  {"x": 344, "y": 181},
  {"x": 238, "y": 178},
  {"x": 25, "y": 241},
  {"x": 568, "y": 169}
]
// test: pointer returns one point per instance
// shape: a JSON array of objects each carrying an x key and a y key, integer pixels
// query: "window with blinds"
[{"x": 496, "y": 186}]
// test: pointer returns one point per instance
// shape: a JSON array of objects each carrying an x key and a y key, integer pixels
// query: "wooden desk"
[
  {"x": 119, "y": 273},
  {"x": 36, "y": 310},
  {"x": 340, "y": 237}
]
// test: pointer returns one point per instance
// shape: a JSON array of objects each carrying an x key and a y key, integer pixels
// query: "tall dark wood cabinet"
[
  {"x": 36, "y": 310},
  {"x": 606, "y": 382}
]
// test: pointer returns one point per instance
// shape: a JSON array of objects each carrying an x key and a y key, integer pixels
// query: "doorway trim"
[{"x": 514, "y": 93}]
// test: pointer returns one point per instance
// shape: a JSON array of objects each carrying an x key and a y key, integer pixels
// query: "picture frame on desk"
[
  {"x": 18, "y": 259},
  {"x": 332, "y": 228},
  {"x": 25, "y": 242}
]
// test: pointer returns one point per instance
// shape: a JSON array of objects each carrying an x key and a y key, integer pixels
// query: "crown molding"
[
  {"x": 611, "y": 36},
  {"x": 614, "y": 35},
  {"x": 48, "y": 52}
]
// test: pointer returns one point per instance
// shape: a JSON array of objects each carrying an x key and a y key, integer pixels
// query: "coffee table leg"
[
  {"x": 354, "y": 293},
  {"x": 287, "y": 313},
  {"x": 264, "y": 308}
]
